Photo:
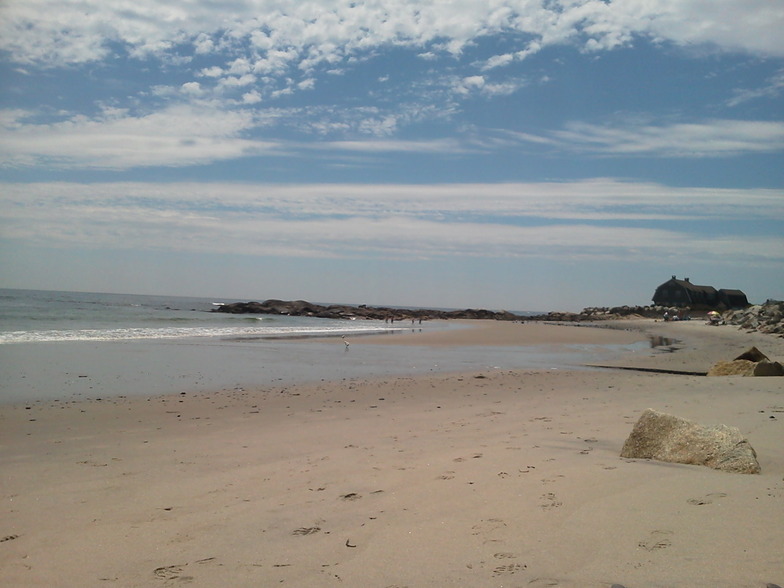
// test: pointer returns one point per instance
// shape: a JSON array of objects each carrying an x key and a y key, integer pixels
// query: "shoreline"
[
  {"x": 81, "y": 369},
  {"x": 490, "y": 477}
]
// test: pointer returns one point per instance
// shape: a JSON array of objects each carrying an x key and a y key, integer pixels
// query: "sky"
[{"x": 502, "y": 154}]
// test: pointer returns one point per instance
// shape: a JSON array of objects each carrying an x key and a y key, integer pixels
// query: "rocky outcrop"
[
  {"x": 665, "y": 437},
  {"x": 303, "y": 308},
  {"x": 338, "y": 311},
  {"x": 765, "y": 318},
  {"x": 669, "y": 438}
]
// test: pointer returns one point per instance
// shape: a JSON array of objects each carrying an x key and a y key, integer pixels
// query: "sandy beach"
[{"x": 499, "y": 477}]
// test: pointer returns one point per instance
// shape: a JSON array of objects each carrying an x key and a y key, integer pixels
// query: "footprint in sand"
[
  {"x": 508, "y": 569},
  {"x": 550, "y": 501},
  {"x": 447, "y": 476},
  {"x": 504, "y": 555},
  {"x": 707, "y": 499},
  {"x": 306, "y": 531},
  {"x": 462, "y": 459},
  {"x": 488, "y": 526},
  {"x": 542, "y": 582},
  {"x": 172, "y": 573},
  {"x": 657, "y": 540},
  {"x": 351, "y": 496}
]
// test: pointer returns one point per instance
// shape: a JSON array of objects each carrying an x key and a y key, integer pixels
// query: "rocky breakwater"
[
  {"x": 340, "y": 311},
  {"x": 604, "y": 313},
  {"x": 765, "y": 318}
]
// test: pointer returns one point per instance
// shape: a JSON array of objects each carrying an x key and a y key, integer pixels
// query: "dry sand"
[{"x": 497, "y": 478}]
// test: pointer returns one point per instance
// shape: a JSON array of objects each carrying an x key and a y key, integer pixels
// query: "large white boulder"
[{"x": 665, "y": 437}]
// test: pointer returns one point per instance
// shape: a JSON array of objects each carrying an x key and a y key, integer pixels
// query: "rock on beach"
[
  {"x": 749, "y": 363},
  {"x": 665, "y": 437}
]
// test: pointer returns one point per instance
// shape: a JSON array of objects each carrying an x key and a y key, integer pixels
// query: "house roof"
[{"x": 693, "y": 287}]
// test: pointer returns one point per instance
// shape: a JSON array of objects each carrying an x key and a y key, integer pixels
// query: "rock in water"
[{"x": 665, "y": 437}]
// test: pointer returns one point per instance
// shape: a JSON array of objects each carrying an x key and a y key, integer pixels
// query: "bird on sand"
[{"x": 345, "y": 341}]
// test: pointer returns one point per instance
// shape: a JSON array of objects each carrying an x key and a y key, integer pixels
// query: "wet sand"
[
  {"x": 492, "y": 477},
  {"x": 83, "y": 370}
]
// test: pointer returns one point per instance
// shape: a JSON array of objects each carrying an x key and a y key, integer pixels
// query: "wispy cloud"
[
  {"x": 117, "y": 139},
  {"x": 598, "y": 219},
  {"x": 772, "y": 88},
  {"x": 187, "y": 135},
  {"x": 711, "y": 138}
]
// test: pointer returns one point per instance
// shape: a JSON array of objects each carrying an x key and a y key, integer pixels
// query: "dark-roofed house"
[
  {"x": 733, "y": 298},
  {"x": 675, "y": 292}
]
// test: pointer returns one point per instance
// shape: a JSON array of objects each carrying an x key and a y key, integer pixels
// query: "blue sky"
[{"x": 517, "y": 154}]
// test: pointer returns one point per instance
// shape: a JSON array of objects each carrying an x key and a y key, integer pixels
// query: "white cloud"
[
  {"x": 498, "y": 61},
  {"x": 237, "y": 81},
  {"x": 308, "y": 84},
  {"x": 308, "y": 34},
  {"x": 746, "y": 25},
  {"x": 252, "y": 97},
  {"x": 258, "y": 50},
  {"x": 211, "y": 72},
  {"x": 192, "y": 88}
]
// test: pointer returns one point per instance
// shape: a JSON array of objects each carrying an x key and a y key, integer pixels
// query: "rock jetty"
[
  {"x": 604, "y": 313},
  {"x": 342, "y": 311},
  {"x": 339, "y": 311},
  {"x": 765, "y": 318}
]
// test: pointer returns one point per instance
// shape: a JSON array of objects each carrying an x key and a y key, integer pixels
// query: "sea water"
[
  {"x": 34, "y": 316},
  {"x": 71, "y": 346}
]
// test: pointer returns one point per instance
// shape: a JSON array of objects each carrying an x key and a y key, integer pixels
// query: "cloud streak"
[
  {"x": 564, "y": 221},
  {"x": 116, "y": 139},
  {"x": 186, "y": 135},
  {"x": 713, "y": 138}
]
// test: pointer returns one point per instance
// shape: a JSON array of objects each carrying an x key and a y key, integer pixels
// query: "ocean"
[
  {"x": 36, "y": 316},
  {"x": 72, "y": 345},
  {"x": 66, "y": 346}
]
